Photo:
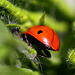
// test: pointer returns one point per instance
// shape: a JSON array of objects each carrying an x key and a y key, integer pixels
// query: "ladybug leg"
[
  {"x": 34, "y": 56},
  {"x": 47, "y": 53},
  {"x": 29, "y": 44},
  {"x": 44, "y": 53}
]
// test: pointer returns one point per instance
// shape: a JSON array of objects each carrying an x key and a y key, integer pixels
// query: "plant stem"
[{"x": 21, "y": 15}]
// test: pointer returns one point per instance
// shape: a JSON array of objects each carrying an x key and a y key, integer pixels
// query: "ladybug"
[{"x": 43, "y": 39}]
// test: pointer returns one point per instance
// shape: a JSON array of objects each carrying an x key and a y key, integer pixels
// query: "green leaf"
[
  {"x": 42, "y": 19},
  {"x": 12, "y": 70},
  {"x": 13, "y": 49}
]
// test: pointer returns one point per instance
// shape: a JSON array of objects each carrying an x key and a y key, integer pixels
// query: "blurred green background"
[{"x": 16, "y": 56}]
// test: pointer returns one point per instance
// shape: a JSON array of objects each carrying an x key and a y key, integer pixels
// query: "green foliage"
[
  {"x": 16, "y": 57},
  {"x": 11, "y": 52},
  {"x": 71, "y": 56},
  {"x": 10, "y": 70},
  {"x": 42, "y": 19}
]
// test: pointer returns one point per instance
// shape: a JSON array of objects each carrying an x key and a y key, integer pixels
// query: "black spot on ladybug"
[{"x": 40, "y": 31}]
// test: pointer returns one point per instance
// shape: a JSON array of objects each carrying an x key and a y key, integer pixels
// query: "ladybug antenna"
[{"x": 42, "y": 19}]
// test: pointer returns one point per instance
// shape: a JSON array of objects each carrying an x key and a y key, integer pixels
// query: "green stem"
[
  {"x": 20, "y": 14},
  {"x": 22, "y": 28}
]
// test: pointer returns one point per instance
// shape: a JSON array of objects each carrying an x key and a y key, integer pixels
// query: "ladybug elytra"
[{"x": 43, "y": 39}]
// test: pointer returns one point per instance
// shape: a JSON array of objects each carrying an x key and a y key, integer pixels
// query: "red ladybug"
[{"x": 43, "y": 39}]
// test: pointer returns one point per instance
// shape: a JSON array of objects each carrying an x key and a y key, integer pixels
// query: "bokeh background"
[{"x": 15, "y": 54}]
